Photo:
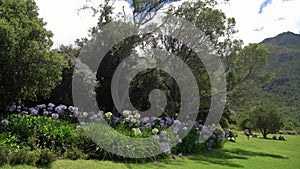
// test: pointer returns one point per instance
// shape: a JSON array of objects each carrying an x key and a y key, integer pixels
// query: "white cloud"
[{"x": 277, "y": 17}]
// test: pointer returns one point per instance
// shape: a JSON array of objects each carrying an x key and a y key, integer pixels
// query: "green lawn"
[{"x": 255, "y": 153}]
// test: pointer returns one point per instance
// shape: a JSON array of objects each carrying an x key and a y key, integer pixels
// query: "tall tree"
[
  {"x": 202, "y": 14},
  {"x": 28, "y": 65}
]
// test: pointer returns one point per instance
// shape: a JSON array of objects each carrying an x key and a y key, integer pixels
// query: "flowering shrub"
[{"x": 57, "y": 128}]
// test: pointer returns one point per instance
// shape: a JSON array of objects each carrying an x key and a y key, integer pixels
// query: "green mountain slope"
[{"x": 284, "y": 61}]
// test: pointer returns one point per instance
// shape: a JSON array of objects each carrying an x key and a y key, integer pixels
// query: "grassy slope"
[{"x": 253, "y": 154}]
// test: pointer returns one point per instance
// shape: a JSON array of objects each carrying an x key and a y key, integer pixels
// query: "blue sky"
[{"x": 256, "y": 19}]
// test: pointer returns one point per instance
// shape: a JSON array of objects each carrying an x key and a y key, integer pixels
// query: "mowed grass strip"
[{"x": 255, "y": 153}]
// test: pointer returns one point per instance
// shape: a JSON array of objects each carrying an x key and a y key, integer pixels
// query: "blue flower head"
[
  {"x": 55, "y": 115},
  {"x": 4, "y": 122},
  {"x": 24, "y": 113},
  {"x": 33, "y": 111},
  {"x": 165, "y": 147},
  {"x": 51, "y": 105},
  {"x": 13, "y": 107}
]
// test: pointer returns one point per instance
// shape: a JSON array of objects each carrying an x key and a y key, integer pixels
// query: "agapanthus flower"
[
  {"x": 76, "y": 114},
  {"x": 136, "y": 131},
  {"x": 148, "y": 125},
  {"x": 169, "y": 121},
  {"x": 41, "y": 106},
  {"x": 18, "y": 108},
  {"x": 184, "y": 128},
  {"x": 72, "y": 109},
  {"x": 162, "y": 123},
  {"x": 180, "y": 155},
  {"x": 24, "y": 112},
  {"x": 108, "y": 115},
  {"x": 51, "y": 105},
  {"x": 45, "y": 112},
  {"x": 153, "y": 118},
  {"x": 116, "y": 119},
  {"x": 13, "y": 107},
  {"x": 85, "y": 114},
  {"x": 177, "y": 122},
  {"x": 137, "y": 116},
  {"x": 175, "y": 130},
  {"x": 165, "y": 147},
  {"x": 134, "y": 112},
  {"x": 130, "y": 117},
  {"x": 209, "y": 143},
  {"x": 173, "y": 156},
  {"x": 5, "y": 122},
  {"x": 61, "y": 108},
  {"x": 100, "y": 114},
  {"x": 33, "y": 111},
  {"x": 163, "y": 133},
  {"x": 145, "y": 119},
  {"x": 93, "y": 117},
  {"x": 55, "y": 115},
  {"x": 78, "y": 127},
  {"x": 155, "y": 131},
  {"x": 126, "y": 113},
  {"x": 133, "y": 121}
]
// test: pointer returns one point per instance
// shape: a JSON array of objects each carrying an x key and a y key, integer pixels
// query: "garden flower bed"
[{"x": 47, "y": 132}]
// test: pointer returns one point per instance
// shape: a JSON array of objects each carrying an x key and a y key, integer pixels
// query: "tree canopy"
[
  {"x": 28, "y": 65},
  {"x": 240, "y": 63},
  {"x": 265, "y": 119}
]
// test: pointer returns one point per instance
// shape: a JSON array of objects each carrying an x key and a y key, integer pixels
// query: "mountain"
[{"x": 284, "y": 61}]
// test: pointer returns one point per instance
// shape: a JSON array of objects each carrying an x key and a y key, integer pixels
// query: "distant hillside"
[{"x": 284, "y": 61}]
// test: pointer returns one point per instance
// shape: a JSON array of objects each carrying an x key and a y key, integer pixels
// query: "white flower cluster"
[
  {"x": 108, "y": 115},
  {"x": 136, "y": 131},
  {"x": 132, "y": 116}
]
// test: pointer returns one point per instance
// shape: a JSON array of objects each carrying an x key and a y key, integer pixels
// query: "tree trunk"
[{"x": 264, "y": 135}]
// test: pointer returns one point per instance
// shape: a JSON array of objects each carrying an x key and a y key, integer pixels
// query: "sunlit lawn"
[{"x": 255, "y": 153}]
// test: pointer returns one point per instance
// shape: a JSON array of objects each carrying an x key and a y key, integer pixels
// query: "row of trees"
[{"x": 31, "y": 70}]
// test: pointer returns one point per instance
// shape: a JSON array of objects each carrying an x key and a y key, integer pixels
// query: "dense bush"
[
  {"x": 46, "y": 157},
  {"x": 74, "y": 154},
  {"x": 4, "y": 153},
  {"x": 43, "y": 133},
  {"x": 24, "y": 156},
  {"x": 40, "y": 131}
]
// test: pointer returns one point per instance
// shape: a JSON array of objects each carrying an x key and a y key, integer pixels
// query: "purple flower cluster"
[
  {"x": 4, "y": 122},
  {"x": 56, "y": 112}
]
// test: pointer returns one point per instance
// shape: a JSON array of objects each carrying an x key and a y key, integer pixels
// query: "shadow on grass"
[
  {"x": 225, "y": 157},
  {"x": 217, "y": 157},
  {"x": 242, "y": 152}
]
